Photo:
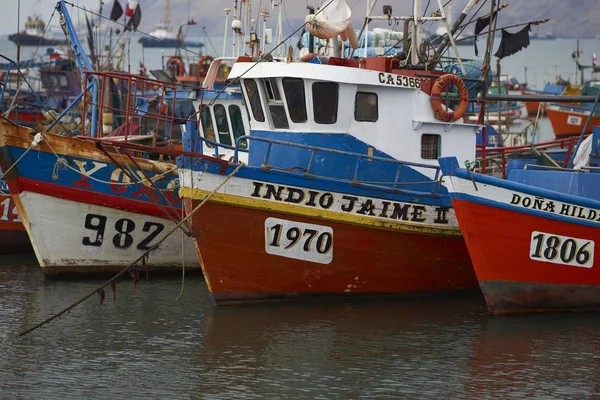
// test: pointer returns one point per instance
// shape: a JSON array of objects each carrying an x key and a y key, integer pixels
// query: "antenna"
[{"x": 168, "y": 11}]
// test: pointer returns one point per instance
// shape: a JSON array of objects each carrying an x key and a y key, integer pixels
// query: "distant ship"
[
  {"x": 163, "y": 35},
  {"x": 34, "y": 34}
]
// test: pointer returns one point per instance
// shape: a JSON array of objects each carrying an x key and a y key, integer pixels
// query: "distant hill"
[{"x": 572, "y": 18}]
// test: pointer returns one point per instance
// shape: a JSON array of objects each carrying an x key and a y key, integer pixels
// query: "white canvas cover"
[{"x": 335, "y": 19}]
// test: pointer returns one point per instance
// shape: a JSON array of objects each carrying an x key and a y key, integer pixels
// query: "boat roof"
[{"x": 312, "y": 71}]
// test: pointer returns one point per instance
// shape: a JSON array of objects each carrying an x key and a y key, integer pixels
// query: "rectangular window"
[
  {"x": 207, "y": 125},
  {"x": 296, "y": 101},
  {"x": 272, "y": 90},
  {"x": 222, "y": 124},
  {"x": 325, "y": 102},
  {"x": 430, "y": 146},
  {"x": 366, "y": 107},
  {"x": 237, "y": 124},
  {"x": 254, "y": 98},
  {"x": 275, "y": 104}
]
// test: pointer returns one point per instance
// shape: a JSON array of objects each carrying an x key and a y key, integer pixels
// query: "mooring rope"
[
  {"x": 61, "y": 161},
  {"x": 134, "y": 263},
  {"x": 36, "y": 140}
]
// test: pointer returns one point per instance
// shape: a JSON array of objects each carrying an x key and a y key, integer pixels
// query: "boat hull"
[
  {"x": 81, "y": 212},
  {"x": 24, "y": 39},
  {"x": 532, "y": 251},
  {"x": 13, "y": 237},
  {"x": 512, "y": 281},
  {"x": 265, "y": 248},
  {"x": 531, "y": 106},
  {"x": 567, "y": 121},
  {"x": 366, "y": 261},
  {"x": 167, "y": 43}
]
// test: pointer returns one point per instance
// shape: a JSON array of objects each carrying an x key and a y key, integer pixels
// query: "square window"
[
  {"x": 365, "y": 107},
  {"x": 430, "y": 146}
]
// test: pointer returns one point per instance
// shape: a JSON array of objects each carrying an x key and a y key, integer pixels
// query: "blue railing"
[{"x": 435, "y": 182}]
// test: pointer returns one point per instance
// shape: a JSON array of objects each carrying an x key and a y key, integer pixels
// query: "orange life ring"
[
  {"x": 175, "y": 66},
  {"x": 440, "y": 85},
  {"x": 204, "y": 64}
]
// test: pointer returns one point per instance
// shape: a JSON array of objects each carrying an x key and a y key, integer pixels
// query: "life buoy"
[
  {"x": 204, "y": 64},
  {"x": 440, "y": 85},
  {"x": 175, "y": 66}
]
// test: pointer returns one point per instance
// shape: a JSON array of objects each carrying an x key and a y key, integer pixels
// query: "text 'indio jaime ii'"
[{"x": 364, "y": 206}]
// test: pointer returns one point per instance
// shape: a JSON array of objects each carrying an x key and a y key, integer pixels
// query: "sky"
[{"x": 44, "y": 8}]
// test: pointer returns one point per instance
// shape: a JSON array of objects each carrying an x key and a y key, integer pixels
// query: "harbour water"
[{"x": 148, "y": 345}]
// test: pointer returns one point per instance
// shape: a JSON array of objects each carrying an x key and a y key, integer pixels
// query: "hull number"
[
  {"x": 123, "y": 230},
  {"x": 561, "y": 250},
  {"x": 9, "y": 212},
  {"x": 399, "y": 80},
  {"x": 573, "y": 120},
  {"x": 308, "y": 242}
]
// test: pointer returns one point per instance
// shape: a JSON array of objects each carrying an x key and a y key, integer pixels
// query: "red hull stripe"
[
  {"x": 499, "y": 242},
  {"x": 95, "y": 198},
  {"x": 238, "y": 267}
]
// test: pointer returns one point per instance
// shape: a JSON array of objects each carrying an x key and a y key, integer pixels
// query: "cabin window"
[
  {"x": 272, "y": 90},
  {"x": 325, "y": 102},
  {"x": 63, "y": 81},
  {"x": 237, "y": 124},
  {"x": 430, "y": 146},
  {"x": 254, "y": 98},
  {"x": 365, "y": 107},
  {"x": 296, "y": 101},
  {"x": 275, "y": 104},
  {"x": 222, "y": 124},
  {"x": 207, "y": 125}
]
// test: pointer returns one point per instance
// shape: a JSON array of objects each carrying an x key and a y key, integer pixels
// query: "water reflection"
[
  {"x": 537, "y": 356},
  {"x": 147, "y": 345}
]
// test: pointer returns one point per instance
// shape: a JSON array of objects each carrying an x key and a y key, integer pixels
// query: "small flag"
[
  {"x": 135, "y": 19},
  {"x": 117, "y": 11},
  {"x": 130, "y": 7}
]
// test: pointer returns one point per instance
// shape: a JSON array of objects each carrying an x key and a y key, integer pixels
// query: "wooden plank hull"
[{"x": 83, "y": 214}]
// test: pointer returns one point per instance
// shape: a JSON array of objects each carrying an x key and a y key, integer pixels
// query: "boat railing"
[
  {"x": 496, "y": 158},
  {"x": 135, "y": 108},
  {"x": 307, "y": 171}
]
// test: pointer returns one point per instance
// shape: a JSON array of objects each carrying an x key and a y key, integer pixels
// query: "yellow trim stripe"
[{"x": 326, "y": 215}]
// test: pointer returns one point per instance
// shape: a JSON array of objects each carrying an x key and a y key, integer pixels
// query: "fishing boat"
[
  {"x": 569, "y": 119},
  {"x": 13, "y": 237},
  {"x": 88, "y": 207},
  {"x": 163, "y": 35},
  {"x": 532, "y": 236},
  {"x": 35, "y": 34},
  {"x": 339, "y": 196},
  {"x": 559, "y": 88}
]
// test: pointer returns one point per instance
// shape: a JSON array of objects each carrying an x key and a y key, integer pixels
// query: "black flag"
[
  {"x": 480, "y": 26},
  {"x": 117, "y": 11},
  {"x": 512, "y": 43},
  {"x": 135, "y": 19}
]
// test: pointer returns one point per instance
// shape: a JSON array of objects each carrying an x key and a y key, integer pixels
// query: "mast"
[
  {"x": 168, "y": 12},
  {"x": 416, "y": 36},
  {"x": 227, "y": 11}
]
